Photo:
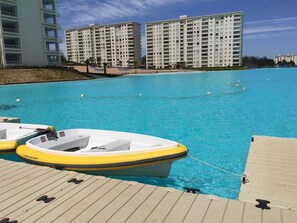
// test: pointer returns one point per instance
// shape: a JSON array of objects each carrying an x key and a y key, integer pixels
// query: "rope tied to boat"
[{"x": 242, "y": 177}]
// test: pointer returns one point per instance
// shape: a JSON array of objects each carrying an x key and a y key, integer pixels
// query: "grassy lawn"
[{"x": 13, "y": 76}]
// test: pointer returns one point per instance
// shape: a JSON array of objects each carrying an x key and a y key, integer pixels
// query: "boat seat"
[
  {"x": 66, "y": 143},
  {"x": 117, "y": 145},
  {"x": 3, "y": 134}
]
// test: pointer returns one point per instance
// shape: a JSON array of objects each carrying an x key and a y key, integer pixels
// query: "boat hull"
[
  {"x": 155, "y": 166},
  {"x": 157, "y": 170}
]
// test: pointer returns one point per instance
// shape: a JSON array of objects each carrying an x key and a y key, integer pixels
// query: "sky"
[{"x": 270, "y": 26}]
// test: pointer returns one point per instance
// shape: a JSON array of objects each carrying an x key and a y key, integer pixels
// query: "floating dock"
[
  {"x": 271, "y": 170},
  {"x": 30, "y": 193},
  {"x": 9, "y": 119}
]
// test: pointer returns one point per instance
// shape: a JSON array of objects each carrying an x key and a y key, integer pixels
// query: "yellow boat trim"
[
  {"x": 8, "y": 145},
  {"x": 42, "y": 157}
]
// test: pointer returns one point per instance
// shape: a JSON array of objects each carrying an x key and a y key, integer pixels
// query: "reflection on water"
[{"x": 7, "y": 107}]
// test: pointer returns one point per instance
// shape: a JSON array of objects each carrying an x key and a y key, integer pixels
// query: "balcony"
[
  {"x": 13, "y": 59},
  {"x": 50, "y": 19},
  {"x": 53, "y": 60},
  {"x": 9, "y": 10},
  {"x": 51, "y": 33},
  {"x": 49, "y": 5},
  {"x": 52, "y": 47},
  {"x": 10, "y": 26},
  {"x": 12, "y": 43}
]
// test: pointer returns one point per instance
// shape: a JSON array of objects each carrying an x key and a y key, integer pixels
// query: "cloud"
[
  {"x": 267, "y": 29},
  {"x": 80, "y": 13},
  {"x": 281, "y": 20},
  {"x": 272, "y": 28}
]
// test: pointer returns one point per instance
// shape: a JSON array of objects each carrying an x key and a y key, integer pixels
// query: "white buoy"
[
  {"x": 229, "y": 83},
  {"x": 243, "y": 88},
  {"x": 267, "y": 79},
  {"x": 140, "y": 95},
  {"x": 238, "y": 81},
  {"x": 237, "y": 85},
  {"x": 208, "y": 92},
  {"x": 18, "y": 100},
  {"x": 82, "y": 95}
]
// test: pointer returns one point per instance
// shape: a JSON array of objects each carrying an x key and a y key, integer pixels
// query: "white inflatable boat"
[
  {"x": 108, "y": 153},
  {"x": 14, "y": 134}
]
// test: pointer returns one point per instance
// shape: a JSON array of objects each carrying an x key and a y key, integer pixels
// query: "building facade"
[
  {"x": 204, "y": 41},
  {"x": 118, "y": 45},
  {"x": 288, "y": 58},
  {"x": 29, "y": 33}
]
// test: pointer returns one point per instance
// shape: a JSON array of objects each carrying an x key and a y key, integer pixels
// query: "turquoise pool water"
[{"x": 216, "y": 126}]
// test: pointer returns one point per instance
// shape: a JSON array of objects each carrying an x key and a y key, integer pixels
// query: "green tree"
[
  {"x": 63, "y": 59},
  {"x": 252, "y": 61},
  {"x": 291, "y": 63}
]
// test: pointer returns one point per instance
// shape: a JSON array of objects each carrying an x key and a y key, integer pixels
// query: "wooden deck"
[
  {"x": 271, "y": 170},
  {"x": 31, "y": 193}
]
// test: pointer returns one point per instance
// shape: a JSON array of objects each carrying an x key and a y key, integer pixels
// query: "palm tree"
[
  {"x": 87, "y": 64},
  {"x": 99, "y": 61}
]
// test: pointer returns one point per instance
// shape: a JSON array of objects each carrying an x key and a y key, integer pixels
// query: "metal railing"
[
  {"x": 12, "y": 30},
  {"x": 9, "y": 13},
  {"x": 14, "y": 46},
  {"x": 11, "y": 62}
]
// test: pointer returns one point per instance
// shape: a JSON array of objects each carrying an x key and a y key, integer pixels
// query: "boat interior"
[
  {"x": 83, "y": 142},
  {"x": 3, "y": 134},
  {"x": 79, "y": 143},
  {"x": 13, "y": 133}
]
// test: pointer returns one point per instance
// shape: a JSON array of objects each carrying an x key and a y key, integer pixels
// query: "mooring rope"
[{"x": 215, "y": 167}]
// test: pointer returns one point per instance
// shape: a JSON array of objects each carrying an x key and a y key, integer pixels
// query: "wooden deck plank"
[
  {"x": 273, "y": 203},
  {"x": 181, "y": 208},
  {"x": 234, "y": 212},
  {"x": 26, "y": 185},
  {"x": 127, "y": 210},
  {"x": 251, "y": 214},
  {"x": 103, "y": 186},
  {"x": 21, "y": 193},
  {"x": 164, "y": 207},
  {"x": 49, "y": 211},
  {"x": 198, "y": 209},
  {"x": 20, "y": 182},
  {"x": 289, "y": 216},
  {"x": 10, "y": 169},
  {"x": 99, "y": 204},
  {"x": 216, "y": 211},
  {"x": 145, "y": 209},
  {"x": 107, "y": 212},
  {"x": 271, "y": 169},
  {"x": 18, "y": 175},
  {"x": 23, "y": 205},
  {"x": 6, "y": 165},
  {"x": 54, "y": 215},
  {"x": 272, "y": 216}
]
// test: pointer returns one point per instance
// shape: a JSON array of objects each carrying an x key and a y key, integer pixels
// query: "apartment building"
[
  {"x": 118, "y": 45},
  {"x": 203, "y": 41},
  {"x": 29, "y": 33},
  {"x": 288, "y": 58}
]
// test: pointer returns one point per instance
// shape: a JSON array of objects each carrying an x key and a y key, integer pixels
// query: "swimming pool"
[{"x": 213, "y": 118}]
